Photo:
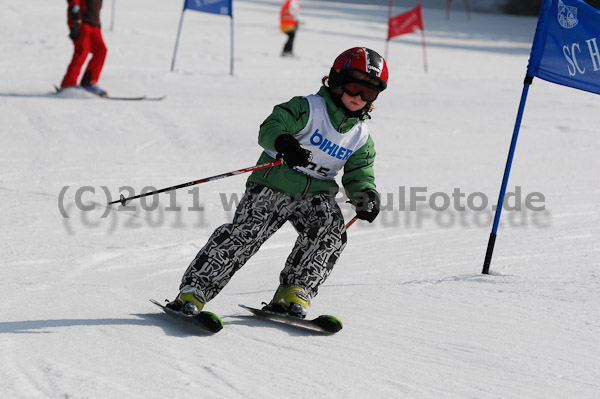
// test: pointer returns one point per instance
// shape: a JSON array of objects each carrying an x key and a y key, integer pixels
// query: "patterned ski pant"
[{"x": 261, "y": 212}]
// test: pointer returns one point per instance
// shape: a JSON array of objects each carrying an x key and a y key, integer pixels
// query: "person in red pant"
[{"x": 84, "y": 25}]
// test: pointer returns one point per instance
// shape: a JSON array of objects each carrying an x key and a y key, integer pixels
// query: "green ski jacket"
[{"x": 290, "y": 118}]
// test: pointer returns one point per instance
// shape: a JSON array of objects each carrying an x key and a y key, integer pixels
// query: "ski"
[
  {"x": 117, "y": 98},
  {"x": 207, "y": 320},
  {"x": 140, "y": 98},
  {"x": 324, "y": 324}
]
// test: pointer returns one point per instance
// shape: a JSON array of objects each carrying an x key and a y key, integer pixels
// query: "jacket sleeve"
[
  {"x": 358, "y": 171},
  {"x": 73, "y": 12},
  {"x": 287, "y": 118}
]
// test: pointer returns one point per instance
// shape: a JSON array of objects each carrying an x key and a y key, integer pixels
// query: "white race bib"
[{"x": 330, "y": 148}]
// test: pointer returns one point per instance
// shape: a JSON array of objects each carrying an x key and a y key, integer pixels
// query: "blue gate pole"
[
  {"x": 231, "y": 48},
  {"x": 177, "y": 40},
  {"x": 511, "y": 153}
]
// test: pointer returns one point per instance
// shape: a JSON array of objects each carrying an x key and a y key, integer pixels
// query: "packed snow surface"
[{"x": 420, "y": 320}]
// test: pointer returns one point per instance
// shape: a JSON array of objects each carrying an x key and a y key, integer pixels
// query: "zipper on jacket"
[
  {"x": 267, "y": 173},
  {"x": 342, "y": 124},
  {"x": 345, "y": 120},
  {"x": 306, "y": 187}
]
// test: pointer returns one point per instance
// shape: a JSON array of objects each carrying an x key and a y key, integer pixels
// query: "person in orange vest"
[{"x": 290, "y": 11}]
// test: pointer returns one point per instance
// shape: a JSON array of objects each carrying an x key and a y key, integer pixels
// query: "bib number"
[{"x": 321, "y": 171}]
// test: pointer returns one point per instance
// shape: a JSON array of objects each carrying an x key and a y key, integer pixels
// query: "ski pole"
[
  {"x": 351, "y": 222},
  {"x": 123, "y": 200}
]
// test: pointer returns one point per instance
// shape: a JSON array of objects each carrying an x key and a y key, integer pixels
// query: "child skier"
[{"x": 315, "y": 136}]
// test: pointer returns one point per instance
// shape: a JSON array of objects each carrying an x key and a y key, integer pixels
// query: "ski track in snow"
[{"x": 420, "y": 321}]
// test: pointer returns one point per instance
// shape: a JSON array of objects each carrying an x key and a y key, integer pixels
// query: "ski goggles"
[{"x": 358, "y": 88}]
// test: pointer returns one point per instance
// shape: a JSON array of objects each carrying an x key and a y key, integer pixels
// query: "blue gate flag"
[
  {"x": 564, "y": 51},
  {"x": 566, "y": 46},
  {"x": 222, "y": 7}
]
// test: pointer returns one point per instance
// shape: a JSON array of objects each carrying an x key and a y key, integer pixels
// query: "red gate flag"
[{"x": 407, "y": 22}]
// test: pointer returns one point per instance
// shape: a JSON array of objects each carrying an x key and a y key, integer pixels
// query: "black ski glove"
[
  {"x": 367, "y": 205},
  {"x": 289, "y": 149},
  {"x": 75, "y": 32}
]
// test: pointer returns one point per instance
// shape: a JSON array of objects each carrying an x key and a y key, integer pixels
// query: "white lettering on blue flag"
[
  {"x": 222, "y": 7},
  {"x": 565, "y": 48},
  {"x": 593, "y": 46}
]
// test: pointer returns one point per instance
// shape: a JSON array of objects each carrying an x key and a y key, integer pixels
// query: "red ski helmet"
[{"x": 360, "y": 59}]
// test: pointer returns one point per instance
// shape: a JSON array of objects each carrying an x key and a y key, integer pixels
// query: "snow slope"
[{"x": 420, "y": 320}]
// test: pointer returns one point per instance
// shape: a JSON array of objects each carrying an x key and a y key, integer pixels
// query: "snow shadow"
[
  {"x": 171, "y": 327},
  {"x": 29, "y": 95},
  {"x": 37, "y": 326}
]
